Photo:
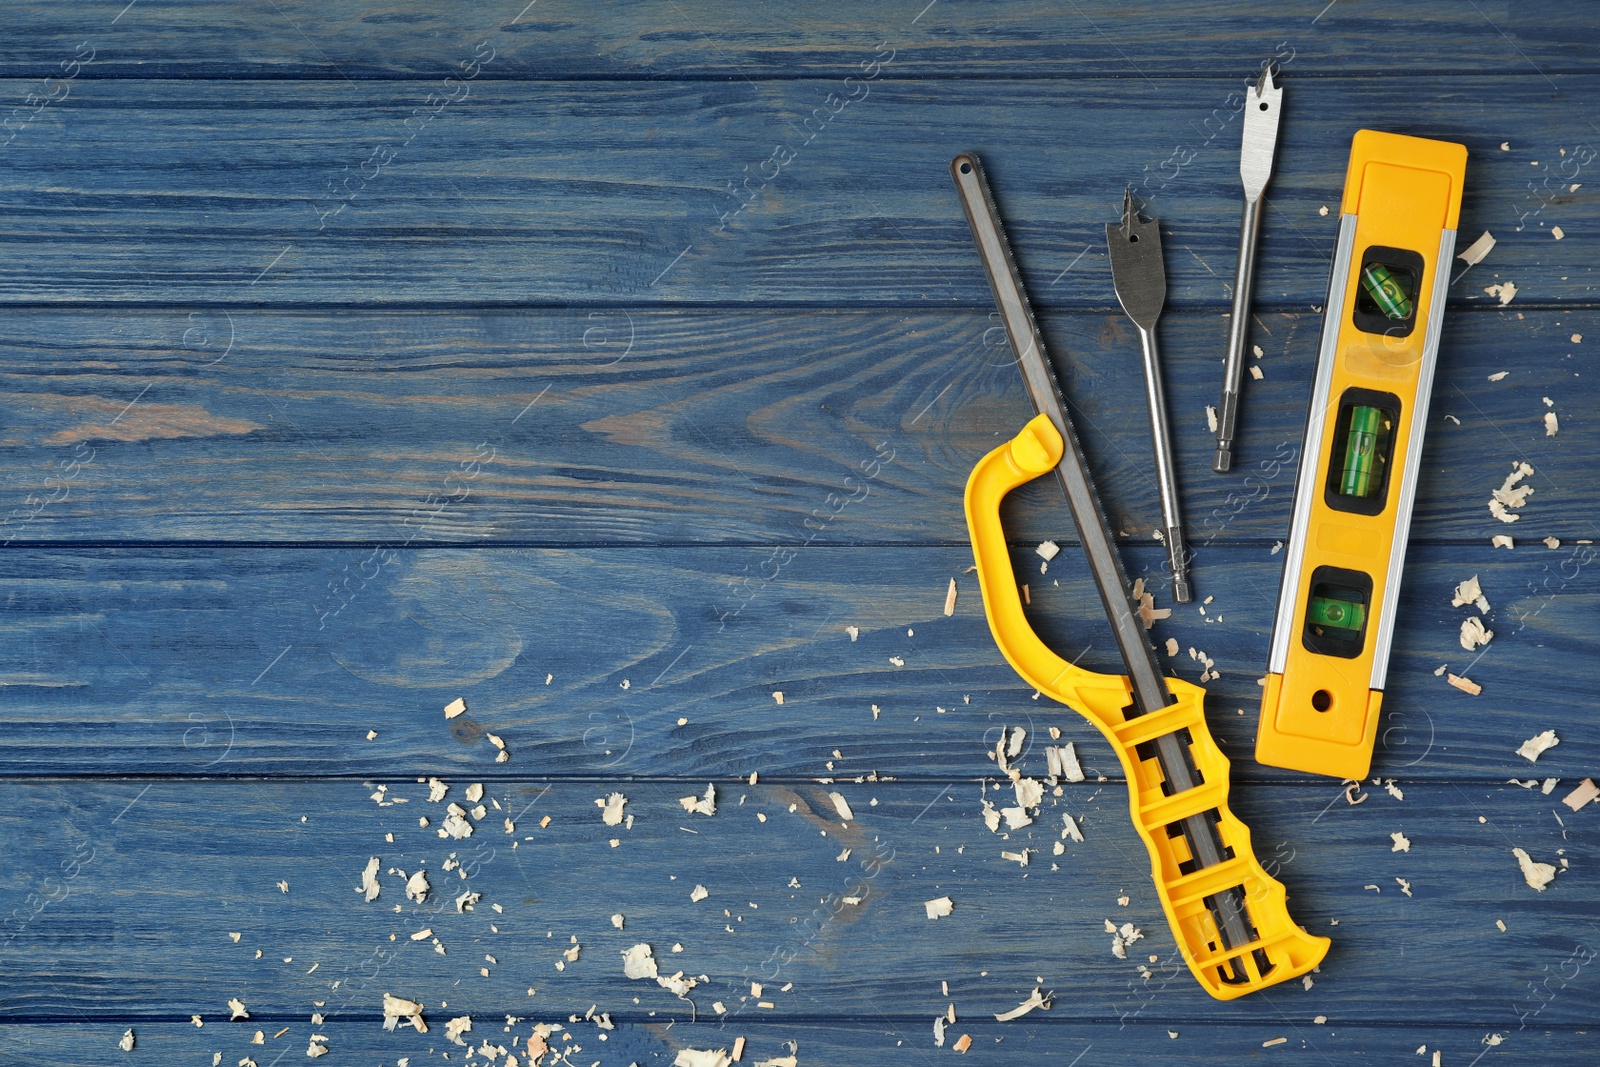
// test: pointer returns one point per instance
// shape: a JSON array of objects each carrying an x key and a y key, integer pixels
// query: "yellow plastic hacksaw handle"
[{"x": 1281, "y": 949}]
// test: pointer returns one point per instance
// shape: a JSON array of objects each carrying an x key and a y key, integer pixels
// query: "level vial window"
[
  {"x": 1386, "y": 297},
  {"x": 1364, "y": 433},
  {"x": 1337, "y": 612},
  {"x": 1387, "y": 290}
]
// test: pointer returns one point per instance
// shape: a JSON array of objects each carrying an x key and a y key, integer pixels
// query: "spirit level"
[
  {"x": 1229, "y": 917},
  {"x": 1363, "y": 443}
]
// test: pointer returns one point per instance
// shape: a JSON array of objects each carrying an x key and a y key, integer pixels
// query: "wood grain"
[
  {"x": 704, "y": 39},
  {"x": 603, "y": 192},
  {"x": 706, "y": 426},
  {"x": 216, "y": 661}
]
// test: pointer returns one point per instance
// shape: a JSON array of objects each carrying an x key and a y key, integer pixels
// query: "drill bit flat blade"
[{"x": 1136, "y": 268}]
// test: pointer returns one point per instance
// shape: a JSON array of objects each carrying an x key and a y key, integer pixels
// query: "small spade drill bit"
[
  {"x": 1263, "y": 103},
  {"x": 1141, "y": 284}
]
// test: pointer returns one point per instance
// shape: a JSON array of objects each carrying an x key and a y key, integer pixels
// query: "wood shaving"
[
  {"x": 1071, "y": 830},
  {"x": 417, "y": 887},
  {"x": 436, "y": 790},
  {"x": 938, "y": 907},
  {"x": 738, "y": 1049},
  {"x": 698, "y": 893},
  {"x": 455, "y": 825},
  {"x": 369, "y": 880},
  {"x": 1393, "y": 790},
  {"x": 1552, "y": 425},
  {"x": 1552, "y": 542},
  {"x": 611, "y": 808},
  {"x": 963, "y": 1043},
  {"x": 1062, "y": 762},
  {"x": 701, "y": 805},
  {"x": 126, "y": 1044},
  {"x": 1405, "y": 886},
  {"x": 1255, "y": 372},
  {"x": 637, "y": 962},
  {"x": 1029, "y": 792},
  {"x": 1511, "y": 494},
  {"x": 1016, "y": 818},
  {"x": 1036, "y": 1000},
  {"x": 1582, "y": 795},
  {"x": 1274, "y": 1041},
  {"x": 465, "y": 902},
  {"x": 1498, "y": 375},
  {"x": 1469, "y": 592},
  {"x": 693, "y": 1057},
  {"x": 1019, "y": 858},
  {"x": 454, "y": 708},
  {"x": 1048, "y": 550},
  {"x": 1402, "y": 843},
  {"x": 396, "y": 1009},
  {"x": 237, "y": 1009},
  {"x": 1473, "y": 254},
  {"x": 1466, "y": 685},
  {"x": 1211, "y": 418},
  {"x": 1538, "y": 875},
  {"x": 454, "y": 1028},
  {"x": 1146, "y": 602},
  {"x": 1474, "y": 633},
  {"x": 1538, "y": 745},
  {"x": 318, "y": 1046},
  {"x": 1506, "y": 291},
  {"x": 950, "y": 599},
  {"x": 842, "y": 806},
  {"x": 938, "y": 1031},
  {"x": 1502, "y": 541}
]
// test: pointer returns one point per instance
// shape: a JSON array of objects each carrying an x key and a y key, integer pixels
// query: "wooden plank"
[
  {"x": 885, "y": 1037},
  {"x": 264, "y": 192},
  {"x": 237, "y": 661},
  {"x": 167, "y": 871},
  {"x": 706, "y": 39},
  {"x": 706, "y": 426}
]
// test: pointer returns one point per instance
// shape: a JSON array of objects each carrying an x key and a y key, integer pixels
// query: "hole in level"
[
  {"x": 966, "y": 168},
  {"x": 1322, "y": 700},
  {"x": 1263, "y": 105},
  {"x": 1133, "y": 238}
]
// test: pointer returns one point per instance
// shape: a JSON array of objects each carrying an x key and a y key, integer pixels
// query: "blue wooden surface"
[{"x": 318, "y": 412}]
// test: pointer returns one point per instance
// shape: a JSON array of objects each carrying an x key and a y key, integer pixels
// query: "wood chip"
[
  {"x": 1466, "y": 685},
  {"x": 1538, "y": 745},
  {"x": 1538, "y": 875},
  {"x": 1255, "y": 372},
  {"x": 1048, "y": 550},
  {"x": 1502, "y": 541},
  {"x": 938, "y": 907},
  {"x": 1582, "y": 795},
  {"x": 1473, "y": 254},
  {"x": 699, "y": 893},
  {"x": 1402, "y": 843},
  {"x": 950, "y": 599},
  {"x": 1274, "y": 1041},
  {"x": 1552, "y": 425},
  {"x": 1557, "y": 232},
  {"x": 701, "y": 805},
  {"x": 126, "y": 1044},
  {"x": 454, "y": 708},
  {"x": 1498, "y": 375},
  {"x": 369, "y": 880},
  {"x": 1506, "y": 291},
  {"x": 237, "y": 1009},
  {"x": 963, "y": 1043},
  {"x": 1211, "y": 418},
  {"x": 842, "y": 806}
]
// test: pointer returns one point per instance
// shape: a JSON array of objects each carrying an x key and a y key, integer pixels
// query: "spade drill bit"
[
  {"x": 1262, "y": 105},
  {"x": 1141, "y": 283}
]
